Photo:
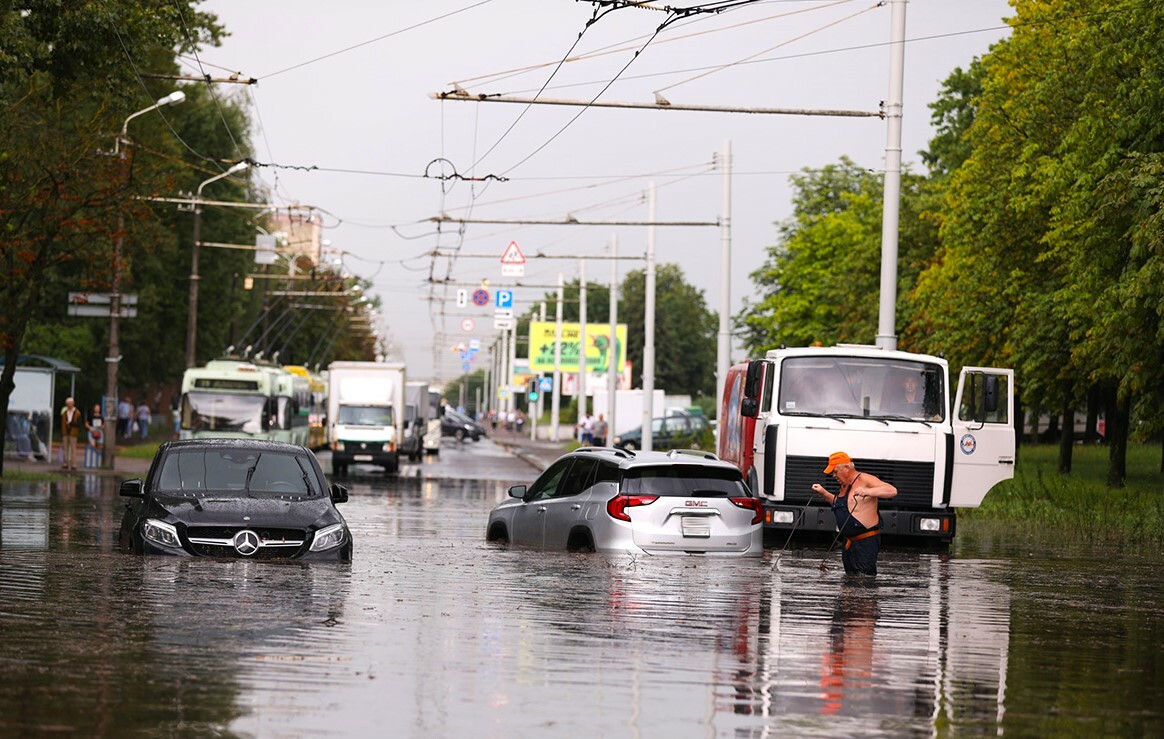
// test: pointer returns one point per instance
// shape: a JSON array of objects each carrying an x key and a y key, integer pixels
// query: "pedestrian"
[
  {"x": 143, "y": 419},
  {"x": 71, "y": 424},
  {"x": 598, "y": 431},
  {"x": 855, "y": 509},
  {"x": 124, "y": 417},
  {"x": 586, "y": 430},
  {"x": 519, "y": 421},
  {"x": 94, "y": 443}
]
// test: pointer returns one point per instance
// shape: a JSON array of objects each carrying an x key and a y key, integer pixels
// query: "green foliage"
[
  {"x": 1080, "y": 506},
  {"x": 821, "y": 281}
]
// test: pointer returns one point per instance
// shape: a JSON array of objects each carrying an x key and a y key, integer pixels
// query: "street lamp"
[
  {"x": 192, "y": 319},
  {"x": 113, "y": 358}
]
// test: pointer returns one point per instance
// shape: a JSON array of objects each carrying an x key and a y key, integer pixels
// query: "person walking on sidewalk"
[
  {"x": 71, "y": 424},
  {"x": 599, "y": 431},
  {"x": 93, "y": 446}
]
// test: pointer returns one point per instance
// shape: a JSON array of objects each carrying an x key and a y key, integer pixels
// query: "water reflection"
[{"x": 431, "y": 631}]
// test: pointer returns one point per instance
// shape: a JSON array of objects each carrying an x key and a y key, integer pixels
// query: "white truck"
[
  {"x": 891, "y": 411},
  {"x": 365, "y": 414}
]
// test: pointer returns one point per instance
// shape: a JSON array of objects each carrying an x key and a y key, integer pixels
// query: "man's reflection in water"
[{"x": 848, "y": 663}]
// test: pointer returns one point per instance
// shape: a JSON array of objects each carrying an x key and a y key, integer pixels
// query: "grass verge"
[{"x": 1078, "y": 505}]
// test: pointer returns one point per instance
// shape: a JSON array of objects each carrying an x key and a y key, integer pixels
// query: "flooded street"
[{"x": 431, "y": 632}]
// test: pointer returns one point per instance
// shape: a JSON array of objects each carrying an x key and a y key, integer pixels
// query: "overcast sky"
[{"x": 345, "y": 87}]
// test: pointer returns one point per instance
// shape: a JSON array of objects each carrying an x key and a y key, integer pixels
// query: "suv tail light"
[
  {"x": 617, "y": 505},
  {"x": 752, "y": 504}
]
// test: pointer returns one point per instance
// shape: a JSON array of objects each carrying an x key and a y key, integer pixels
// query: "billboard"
[{"x": 541, "y": 346}]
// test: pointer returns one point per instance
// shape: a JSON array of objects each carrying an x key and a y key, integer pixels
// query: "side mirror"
[
  {"x": 753, "y": 379},
  {"x": 517, "y": 491},
  {"x": 339, "y": 494},
  {"x": 132, "y": 488},
  {"x": 990, "y": 394},
  {"x": 749, "y": 407}
]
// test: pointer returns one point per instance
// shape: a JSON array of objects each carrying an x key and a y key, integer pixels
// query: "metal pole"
[
  {"x": 192, "y": 317},
  {"x": 723, "y": 349},
  {"x": 612, "y": 350},
  {"x": 582, "y": 368},
  {"x": 504, "y": 379},
  {"x": 512, "y": 366},
  {"x": 556, "y": 403},
  {"x": 649, "y": 328},
  {"x": 886, "y": 320},
  {"x": 113, "y": 358}
]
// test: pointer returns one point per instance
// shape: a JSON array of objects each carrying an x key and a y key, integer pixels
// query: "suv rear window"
[{"x": 685, "y": 481}]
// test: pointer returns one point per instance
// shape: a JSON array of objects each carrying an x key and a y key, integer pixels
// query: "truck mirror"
[
  {"x": 989, "y": 395},
  {"x": 749, "y": 407},
  {"x": 752, "y": 381}
]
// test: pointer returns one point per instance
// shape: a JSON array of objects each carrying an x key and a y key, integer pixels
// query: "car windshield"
[
  {"x": 684, "y": 480},
  {"x": 861, "y": 387},
  {"x": 237, "y": 472},
  {"x": 223, "y": 412},
  {"x": 364, "y": 415}
]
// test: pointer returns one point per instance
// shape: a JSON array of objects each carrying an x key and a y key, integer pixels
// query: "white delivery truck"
[
  {"x": 365, "y": 414},
  {"x": 415, "y": 419},
  {"x": 893, "y": 412}
]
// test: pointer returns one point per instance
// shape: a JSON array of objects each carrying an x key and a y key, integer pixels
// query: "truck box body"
[
  {"x": 783, "y": 415},
  {"x": 366, "y": 413}
]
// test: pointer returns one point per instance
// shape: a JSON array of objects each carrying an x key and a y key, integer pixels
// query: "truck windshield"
[
  {"x": 364, "y": 415},
  {"x": 223, "y": 412},
  {"x": 861, "y": 387}
]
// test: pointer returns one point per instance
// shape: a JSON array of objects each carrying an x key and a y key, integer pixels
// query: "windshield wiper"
[
  {"x": 905, "y": 418},
  {"x": 842, "y": 416},
  {"x": 251, "y": 471}
]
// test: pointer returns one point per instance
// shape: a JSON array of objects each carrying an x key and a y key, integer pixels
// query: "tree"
[
  {"x": 63, "y": 94},
  {"x": 821, "y": 281},
  {"x": 685, "y": 332}
]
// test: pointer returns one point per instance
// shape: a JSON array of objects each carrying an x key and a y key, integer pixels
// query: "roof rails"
[
  {"x": 621, "y": 452},
  {"x": 674, "y": 453}
]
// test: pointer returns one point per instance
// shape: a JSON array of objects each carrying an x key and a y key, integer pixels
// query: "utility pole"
[
  {"x": 649, "y": 328},
  {"x": 724, "y": 346},
  {"x": 891, "y": 205},
  {"x": 582, "y": 368},
  {"x": 612, "y": 350},
  {"x": 556, "y": 403}
]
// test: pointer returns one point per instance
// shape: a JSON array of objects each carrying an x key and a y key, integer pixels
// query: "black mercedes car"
[{"x": 237, "y": 498}]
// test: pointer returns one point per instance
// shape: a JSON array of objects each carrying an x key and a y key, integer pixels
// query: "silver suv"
[{"x": 611, "y": 500}]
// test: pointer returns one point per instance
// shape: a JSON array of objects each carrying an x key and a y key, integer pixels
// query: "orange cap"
[{"x": 837, "y": 458}]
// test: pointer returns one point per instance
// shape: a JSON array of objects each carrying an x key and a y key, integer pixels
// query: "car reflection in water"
[{"x": 235, "y": 498}]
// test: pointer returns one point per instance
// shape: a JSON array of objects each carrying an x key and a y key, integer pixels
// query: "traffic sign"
[
  {"x": 467, "y": 325},
  {"x": 481, "y": 297},
  {"x": 503, "y": 324},
  {"x": 513, "y": 270},
  {"x": 546, "y": 384},
  {"x": 463, "y": 299},
  {"x": 474, "y": 345},
  {"x": 503, "y": 313},
  {"x": 505, "y": 299},
  {"x": 512, "y": 254}
]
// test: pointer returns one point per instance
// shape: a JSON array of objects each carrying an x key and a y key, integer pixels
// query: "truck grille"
[{"x": 914, "y": 480}]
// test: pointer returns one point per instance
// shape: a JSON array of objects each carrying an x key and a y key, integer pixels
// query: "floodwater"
[{"x": 431, "y": 632}]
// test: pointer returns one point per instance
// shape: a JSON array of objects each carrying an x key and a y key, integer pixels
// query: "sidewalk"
[
  {"x": 538, "y": 454},
  {"x": 123, "y": 467}
]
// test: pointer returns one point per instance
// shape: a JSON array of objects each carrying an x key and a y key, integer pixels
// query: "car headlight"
[
  {"x": 160, "y": 532},
  {"x": 339, "y": 446},
  {"x": 328, "y": 537}
]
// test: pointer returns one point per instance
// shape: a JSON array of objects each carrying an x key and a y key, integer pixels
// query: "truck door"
[{"x": 983, "y": 434}]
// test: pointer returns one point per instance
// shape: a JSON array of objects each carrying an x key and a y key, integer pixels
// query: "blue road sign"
[
  {"x": 481, "y": 297},
  {"x": 505, "y": 299},
  {"x": 466, "y": 367},
  {"x": 546, "y": 384}
]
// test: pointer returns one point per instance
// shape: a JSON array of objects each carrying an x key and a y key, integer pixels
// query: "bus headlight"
[
  {"x": 930, "y": 524},
  {"x": 783, "y": 516}
]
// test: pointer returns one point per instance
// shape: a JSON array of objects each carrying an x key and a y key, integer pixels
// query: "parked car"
[
  {"x": 611, "y": 500},
  {"x": 460, "y": 426},
  {"x": 238, "y": 498},
  {"x": 671, "y": 432}
]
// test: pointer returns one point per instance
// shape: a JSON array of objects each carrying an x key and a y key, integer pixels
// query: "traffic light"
[{"x": 532, "y": 392}]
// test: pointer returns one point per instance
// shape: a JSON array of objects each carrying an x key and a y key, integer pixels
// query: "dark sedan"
[
  {"x": 461, "y": 427},
  {"x": 236, "y": 498}
]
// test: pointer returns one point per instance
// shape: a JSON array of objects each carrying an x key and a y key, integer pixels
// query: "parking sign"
[{"x": 504, "y": 298}]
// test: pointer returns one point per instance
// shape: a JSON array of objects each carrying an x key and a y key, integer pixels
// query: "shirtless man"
[{"x": 855, "y": 508}]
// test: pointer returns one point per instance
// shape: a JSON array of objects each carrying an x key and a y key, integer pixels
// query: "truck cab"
[{"x": 893, "y": 412}]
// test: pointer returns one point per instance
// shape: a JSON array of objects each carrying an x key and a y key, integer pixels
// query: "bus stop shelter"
[{"x": 31, "y": 416}]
